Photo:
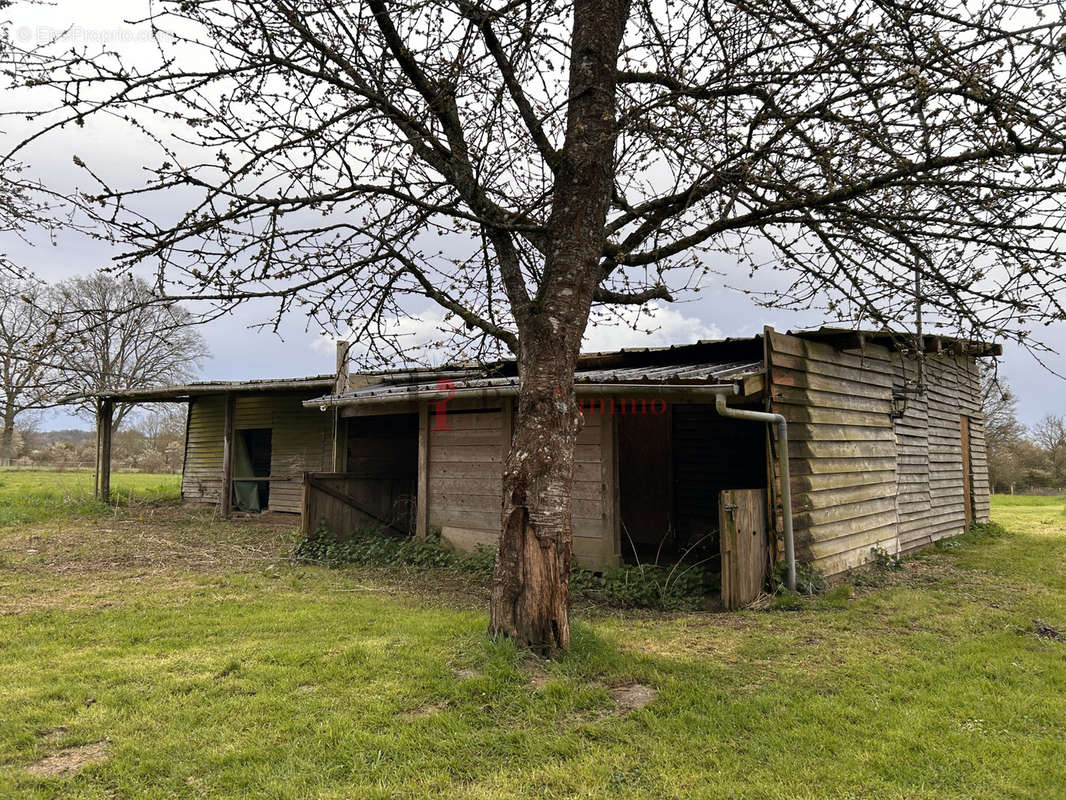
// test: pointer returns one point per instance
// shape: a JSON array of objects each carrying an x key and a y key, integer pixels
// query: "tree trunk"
[
  {"x": 531, "y": 579},
  {"x": 7, "y": 444},
  {"x": 530, "y": 586}
]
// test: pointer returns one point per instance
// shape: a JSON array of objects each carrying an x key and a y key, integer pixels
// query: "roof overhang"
[
  {"x": 677, "y": 382},
  {"x": 933, "y": 344},
  {"x": 316, "y": 383}
]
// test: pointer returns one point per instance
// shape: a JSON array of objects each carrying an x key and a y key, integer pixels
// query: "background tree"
[
  {"x": 1050, "y": 435},
  {"x": 1004, "y": 434},
  {"x": 122, "y": 338},
  {"x": 29, "y": 352},
  {"x": 529, "y": 166}
]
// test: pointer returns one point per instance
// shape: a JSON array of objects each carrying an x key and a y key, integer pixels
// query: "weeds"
[
  {"x": 809, "y": 581},
  {"x": 882, "y": 559},
  {"x": 669, "y": 588}
]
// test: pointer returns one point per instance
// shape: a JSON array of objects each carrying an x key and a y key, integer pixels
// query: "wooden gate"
[
  {"x": 744, "y": 545},
  {"x": 342, "y": 502}
]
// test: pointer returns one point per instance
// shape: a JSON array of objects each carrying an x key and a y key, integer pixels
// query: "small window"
[{"x": 251, "y": 469}]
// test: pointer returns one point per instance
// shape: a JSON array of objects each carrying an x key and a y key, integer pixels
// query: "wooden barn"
[
  {"x": 255, "y": 437},
  {"x": 884, "y": 444}
]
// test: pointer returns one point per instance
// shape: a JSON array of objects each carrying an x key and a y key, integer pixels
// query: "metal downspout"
[{"x": 782, "y": 459}]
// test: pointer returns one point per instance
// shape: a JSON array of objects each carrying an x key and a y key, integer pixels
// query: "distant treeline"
[
  {"x": 1022, "y": 459},
  {"x": 150, "y": 443}
]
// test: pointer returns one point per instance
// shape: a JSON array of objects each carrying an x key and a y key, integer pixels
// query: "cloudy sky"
[{"x": 239, "y": 351}]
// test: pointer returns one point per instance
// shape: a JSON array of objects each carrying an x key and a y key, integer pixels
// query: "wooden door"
[
  {"x": 967, "y": 488},
  {"x": 744, "y": 545}
]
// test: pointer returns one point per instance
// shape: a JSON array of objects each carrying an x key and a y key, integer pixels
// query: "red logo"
[{"x": 440, "y": 407}]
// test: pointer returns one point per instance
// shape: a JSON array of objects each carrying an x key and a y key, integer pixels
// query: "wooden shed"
[
  {"x": 886, "y": 449},
  {"x": 254, "y": 437},
  {"x": 886, "y": 445}
]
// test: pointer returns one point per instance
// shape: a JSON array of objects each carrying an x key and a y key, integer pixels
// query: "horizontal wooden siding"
[
  {"x": 465, "y": 483},
  {"x": 842, "y": 448}
]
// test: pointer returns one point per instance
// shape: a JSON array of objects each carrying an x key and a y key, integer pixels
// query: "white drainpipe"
[{"x": 782, "y": 459}]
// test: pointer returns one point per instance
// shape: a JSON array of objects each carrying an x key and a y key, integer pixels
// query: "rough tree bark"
[
  {"x": 7, "y": 436},
  {"x": 531, "y": 578}
]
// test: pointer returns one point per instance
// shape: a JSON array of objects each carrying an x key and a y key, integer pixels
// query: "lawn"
[
  {"x": 157, "y": 652},
  {"x": 31, "y": 495}
]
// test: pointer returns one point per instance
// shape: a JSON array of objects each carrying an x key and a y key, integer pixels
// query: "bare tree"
[
  {"x": 121, "y": 338},
  {"x": 1000, "y": 407},
  {"x": 531, "y": 165},
  {"x": 28, "y": 353},
  {"x": 1050, "y": 433}
]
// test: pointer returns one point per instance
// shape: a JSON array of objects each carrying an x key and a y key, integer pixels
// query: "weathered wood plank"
[{"x": 742, "y": 522}]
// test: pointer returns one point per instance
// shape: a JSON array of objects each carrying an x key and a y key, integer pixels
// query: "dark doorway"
[
  {"x": 710, "y": 455},
  {"x": 671, "y": 469},
  {"x": 251, "y": 469},
  {"x": 383, "y": 467},
  {"x": 644, "y": 485},
  {"x": 967, "y": 470}
]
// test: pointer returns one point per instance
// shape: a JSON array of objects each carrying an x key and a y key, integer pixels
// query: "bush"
[
  {"x": 371, "y": 547},
  {"x": 882, "y": 559}
]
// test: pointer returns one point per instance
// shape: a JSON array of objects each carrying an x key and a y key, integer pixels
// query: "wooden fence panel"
[{"x": 341, "y": 503}]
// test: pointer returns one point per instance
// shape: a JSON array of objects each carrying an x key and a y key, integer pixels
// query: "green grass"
[
  {"x": 28, "y": 496},
  {"x": 1026, "y": 501},
  {"x": 212, "y": 668}
]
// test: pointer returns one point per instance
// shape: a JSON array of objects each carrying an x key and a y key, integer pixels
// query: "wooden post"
[
  {"x": 340, "y": 384},
  {"x": 340, "y": 423},
  {"x": 340, "y": 441},
  {"x": 305, "y": 505},
  {"x": 422, "y": 492},
  {"x": 227, "y": 456},
  {"x": 742, "y": 531},
  {"x": 103, "y": 434}
]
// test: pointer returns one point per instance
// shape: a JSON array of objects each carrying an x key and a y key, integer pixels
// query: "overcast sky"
[{"x": 240, "y": 352}]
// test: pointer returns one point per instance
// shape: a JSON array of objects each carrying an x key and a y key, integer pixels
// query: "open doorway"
[
  {"x": 382, "y": 468},
  {"x": 645, "y": 496},
  {"x": 671, "y": 469},
  {"x": 251, "y": 469}
]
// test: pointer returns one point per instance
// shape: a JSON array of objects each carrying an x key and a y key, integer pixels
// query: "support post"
[
  {"x": 103, "y": 433},
  {"x": 422, "y": 492},
  {"x": 340, "y": 385},
  {"x": 340, "y": 441},
  {"x": 227, "y": 456},
  {"x": 340, "y": 424}
]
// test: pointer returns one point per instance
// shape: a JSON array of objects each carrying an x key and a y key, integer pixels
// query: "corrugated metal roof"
[
  {"x": 673, "y": 374},
  {"x": 220, "y": 387}
]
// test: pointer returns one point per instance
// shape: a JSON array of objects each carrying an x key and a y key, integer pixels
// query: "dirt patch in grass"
[
  {"x": 631, "y": 696},
  {"x": 148, "y": 538},
  {"x": 422, "y": 712},
  {"x": 69, "y": 760}
]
